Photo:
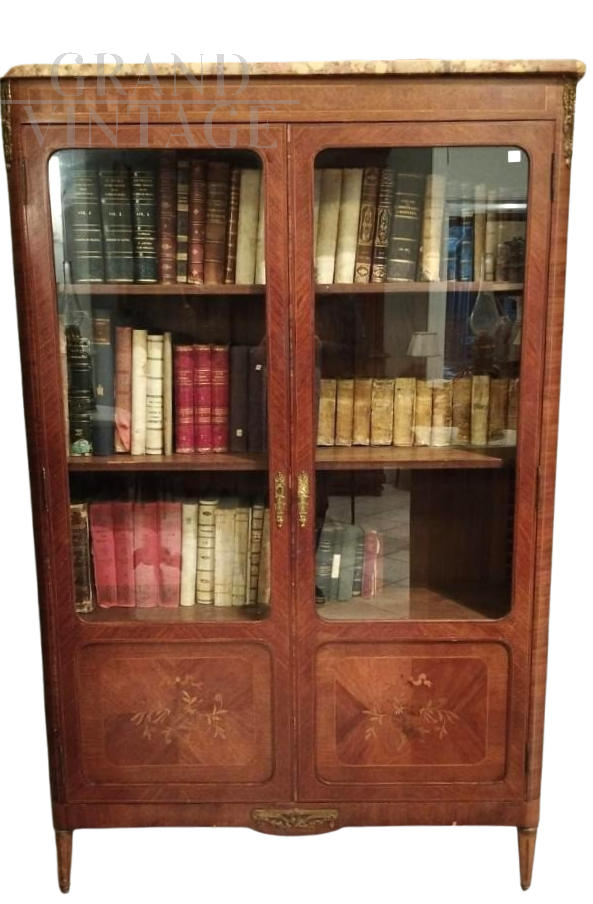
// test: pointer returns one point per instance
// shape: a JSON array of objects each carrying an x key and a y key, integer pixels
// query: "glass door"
[{"x": 420, "y": 286}]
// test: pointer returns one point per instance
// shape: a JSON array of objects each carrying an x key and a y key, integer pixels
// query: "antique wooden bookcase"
[{"x": 410, "y": 689}]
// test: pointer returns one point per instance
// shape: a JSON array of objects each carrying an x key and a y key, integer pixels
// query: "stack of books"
[{"x": 348, "y": 563}]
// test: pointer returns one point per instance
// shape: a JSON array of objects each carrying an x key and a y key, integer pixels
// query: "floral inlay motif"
[
  {"x": 189, "y": 711},
  {"x": 411, "y": 710}
]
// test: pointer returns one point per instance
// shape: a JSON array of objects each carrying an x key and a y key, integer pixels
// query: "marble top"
[{"x": 572, "y": 68}]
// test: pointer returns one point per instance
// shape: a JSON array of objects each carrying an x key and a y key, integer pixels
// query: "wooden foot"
[
  {"x": 526, "y": 854},
  {"x": 64, "y": 846}
]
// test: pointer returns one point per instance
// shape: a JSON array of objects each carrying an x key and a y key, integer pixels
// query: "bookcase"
[{"x": 290, "y": 342}]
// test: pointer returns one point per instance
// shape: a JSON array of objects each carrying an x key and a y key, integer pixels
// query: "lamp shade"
[{"x": 423, "y": 345}]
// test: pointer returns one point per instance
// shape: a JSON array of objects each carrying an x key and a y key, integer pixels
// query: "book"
[
  {"x": 361, "y": 426},
  {"x": 182, "y": 219},
  {"x": 103, "y": 383},
  {"x": 442, "y": 413},
  {"x": 465, "y": 263},
  {"x": 154, "y": 395},
  {"x": 402, "y": 250},
  {"x": 80, "y": 392},
  {"x": 497, "y": 411},
  {"x": 241, "y": 554},
  {"x": 146, "y": 554},
  {"x": 383, "y": 224},
  {"x": 81, "y": 558},
  {"x": 479, "y": 229},
  {"x": 327, "y": 233},
  {"x": 116, "y": 217},
  {"x": 326, "y": 430},
  {"x": 230, "y": 259},
  {"x": 122, "y": 514},
  {"x": 358, "y": 565},
  {"x": 265, "y": 564},
  {"x": 189, "y": 553},
  {"x": 239, "y": 398},
  {"x": 350, "y": 538},
  {"x": 344, "y": 412},
  {"x": 257, "y": 399},
  {"x": 183, "y": 379},
  {"x": 206, "y": 552},
  {"x": 371, "y": 582},
  {"x": 170, "y": 528},
  {"x": 512, "y": 413},
  {"x": 219, "y": 174},
  {"x": 144, "y": 223},
  {"x": 196, "y": 224},
  {"x": 454, "y": 235},
  {"x": 220, "y": 398},
  {"x": 103, "y": 547},
  {"x": 167, "y": 218},
  {"x": 423, "y": 415},
  {"x": 81, "y": 211},
  {"x": 480, "y": 408},
  {"x": 347, "y": 240},
  {"x": 123, "y": 389},
  {"x": 249, "y": 193},
  {"x": 202, "y": 364},
  {"x": 224, "y": 545},
  {"x": 336, "y": 566},
  {"x": 139, "y": 358},
  {"x": 255, "y": 547},
  {"x": 404, "y": 408},
  {"x": 260, "y": 247},
  {"x": 491, "y": 234},
  {"x": 432, "y": 228},
  {"x": 366, "y": 224},
  {"x": 461, "y": 411},
  {"x": 382, "y": 398},
  {"x": 324, "y": 561},
  {"x": 167, "y": 394}
]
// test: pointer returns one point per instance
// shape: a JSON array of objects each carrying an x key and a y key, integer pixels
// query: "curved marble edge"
[{"x": 574, "y": 68}]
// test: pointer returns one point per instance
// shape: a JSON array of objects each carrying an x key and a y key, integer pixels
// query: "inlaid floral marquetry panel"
[
  {"x": 404, "y": 712},
  {"x": 171, "y": 713}
]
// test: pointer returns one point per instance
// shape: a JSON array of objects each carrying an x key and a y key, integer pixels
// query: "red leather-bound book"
[
  {"x": 123, "y": 388},
  {"x": 123, "y": 533},
  {"x": 371, "y": 570},
  {"x": 220, "y": 398},
  {"x": 146, "y": 554},
  {"x": 197, "y": 222},
  {"x": 167, "y": 218},
  {"x": 183, "y": 378},
  {"x": 203, "y": 398},
  {"x": 169, "y": 554},
  {"x": 103, "y": 544}
]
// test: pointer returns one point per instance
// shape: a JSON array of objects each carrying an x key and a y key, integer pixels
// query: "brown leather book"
[
  {"x": 382, "y": 412},
  {"x": 462, "y": 411},
  {"x": 402, "y": 252},
  {"x": 361, "y": 428},
  {"x": 197, "y": 222},
  {"x": 344, "y": 412},
  {"x": 326, "y": 430},
  {"x": 239, "y": 398},
  {"x": 480, "y": 406},
  {"x": 442, "y": 412},
  {"x": 219, "y": 175},
  {"x": 497, "y": 412},
  {"x": 167, "y": 218},
  {"x": 423, "y": 416},
  {"x": 383, "y": 225},
  {"x": 233, "y": 221},
  {"x": 182, "y": 218},
  {"x": 404, "y": 405},
  {"x": 81, "y": 555},
  {"x": 512, "y": 413},
  {"x": 366, "y": 224}
]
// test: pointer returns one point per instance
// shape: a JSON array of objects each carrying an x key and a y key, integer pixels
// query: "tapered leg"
[
  {"x": 64, "y": 846},
  {"x": 526, "y": 854}
]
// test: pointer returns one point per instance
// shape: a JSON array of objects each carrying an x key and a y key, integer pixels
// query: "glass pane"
[
  {"x": 160, "y": 269},
  {"x": 419, "y": 262}
]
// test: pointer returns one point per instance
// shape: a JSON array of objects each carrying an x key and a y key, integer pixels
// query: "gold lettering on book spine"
[
  {"x": 569, "y": 96},
  {"x": 297, "y": 820},
  {"x": 6, "y": 123},
  {"x": 280, "y": 498}
]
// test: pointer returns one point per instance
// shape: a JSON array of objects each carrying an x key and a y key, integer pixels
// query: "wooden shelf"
[
  {"x": 227, "y": 461},
  {"x": 414, "y": 288},
  {"x": 454, "y": 602},
  {"x": 158, "y": 289},
  {"x": 180, "y": 614},
  {"x": 363, "y": 458}
]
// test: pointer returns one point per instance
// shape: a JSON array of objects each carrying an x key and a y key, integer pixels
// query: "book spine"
[
  {"x": 480, "y": 408},
  {"x": 224, "y": 544},
  {"x": 404, "y": 409},
  {"x": 327, "y": 233},
  {"x": 154, "y": 395},
  {"x": 81, "y": 209},
  {"x": 167, "y": 394},
  {"x": 453, "y": 244},
  {"x": 196, "y": 222},
  {"x": 423, "y": 417},
  {"x": 123, "y": 388},
  {"x": 260, "y": 248},
  {"x": 183, "y": 377},
  {"x": 512, "y": 413},
  {"x": 123, "y": 536},
  {"x": 240, "y": 556},
  {"x": 256, "y": 405},
  {"x": 169, "y": 554},
  {"x": 239, "y": 398},
  {"x": 324, "y": 561},
  {"x": 465, "y": 265},
  {"x": 336, "y": 565},
  {"x": 497, "y": 411},
  {"x": 382, "y": 399},
  {"x": 189, "y": 553},
  {"x": 144, "y": 214},
  {"x": 104, "y": 384},
  {"x": 80, "y": 392},
  {"x": 81, "y": 558},
  {"x": 146, "y": 554},
  {"x": 219, "y": 175},
  {"x": 220, "y": 398},
  {"x": 326, "y": 431},
  {"x": 383, "y": 225},
  {"x": 479, "y": 230},
  {"x": 366, "y": 224},
  {"x": 402, "y": 252},
  {"x": 461, "y": 414},
  {"x": 206, "y": 552},
  {"x": 103, "y": 546},
  {"x": 346, "y": 579},
  {"x": 247, "y": 226},
  {"x": 491, "y": 235},
  {"x": 167, "y": 219},
  {"x": 139, "y": 357},
  {"x": 344, "y": 412},
  {"x": 202, "y": 398},
  {"x": 442, "y": 413},
  {"x": 257, "y": 524},
  {"x": 263, "y": 581},
  {"x": 230, "y": 264},
  {"x": 358, "y": 565},
  {"x": 432, "y": 228},
  {"x": 361, "y": 427},
  {"x": 182, "y": 219},
  {"x": 116, "y": 216},
  {"x": 370, "y": 568},
  {"x": 347, "y": 241}
]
